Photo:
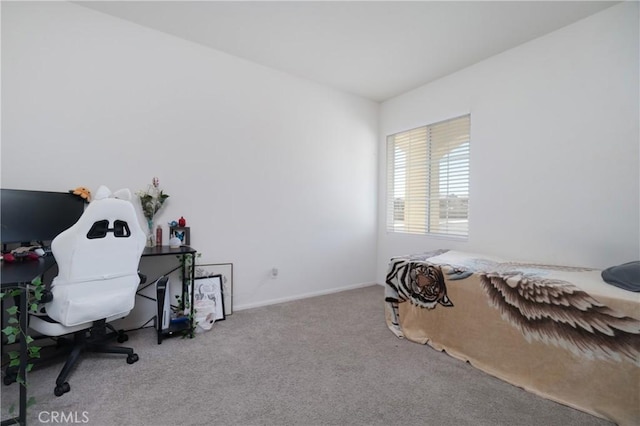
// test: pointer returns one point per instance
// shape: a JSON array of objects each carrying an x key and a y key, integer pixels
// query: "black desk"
[
  {"x": 19, "y": 275},
  {"x": 24, "y": 271}
]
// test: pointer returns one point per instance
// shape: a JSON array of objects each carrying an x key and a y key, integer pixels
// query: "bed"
[{"x": 559, "y": 332}]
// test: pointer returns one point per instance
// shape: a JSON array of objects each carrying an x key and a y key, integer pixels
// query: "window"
[{"x": 428, "y": 179}]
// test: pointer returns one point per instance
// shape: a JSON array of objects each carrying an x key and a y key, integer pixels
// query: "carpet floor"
[{"x": 327, "y": 360}]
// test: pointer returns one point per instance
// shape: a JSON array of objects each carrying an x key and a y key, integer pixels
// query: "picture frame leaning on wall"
[
  {"x": 226, "y": 271},
  {"x": 207, "y": 291}
]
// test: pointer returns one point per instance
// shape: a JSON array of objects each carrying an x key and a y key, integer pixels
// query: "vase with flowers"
[{"x": 151, "y": 201}]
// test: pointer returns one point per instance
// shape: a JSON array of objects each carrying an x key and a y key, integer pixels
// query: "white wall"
[
  {"x": 269, "y": 170},
  {"x": 554, "y": 150}
]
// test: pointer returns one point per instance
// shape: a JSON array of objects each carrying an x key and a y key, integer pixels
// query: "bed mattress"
[{"x": 559, "y": 332}]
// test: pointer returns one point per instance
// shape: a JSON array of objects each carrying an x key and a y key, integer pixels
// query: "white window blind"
[{"x": 428, "y": 179}]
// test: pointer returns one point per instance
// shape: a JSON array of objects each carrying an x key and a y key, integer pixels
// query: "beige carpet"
[{"x": 327, "y": 360}]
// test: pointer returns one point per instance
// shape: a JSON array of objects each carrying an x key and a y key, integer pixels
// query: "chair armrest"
[{"x": 46, "y": 297}]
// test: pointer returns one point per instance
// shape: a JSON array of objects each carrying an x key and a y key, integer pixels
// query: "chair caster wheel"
[
  {"x": 122, "y": 338},
  {"x": 62, "y": 389},
  {"x": 132, "y": 358}
]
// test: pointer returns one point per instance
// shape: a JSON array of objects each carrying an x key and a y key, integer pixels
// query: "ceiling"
[{"x": 374, "y": 49}]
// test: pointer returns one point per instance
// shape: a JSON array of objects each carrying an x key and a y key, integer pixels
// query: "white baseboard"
[{"x": 300, "y": 296}]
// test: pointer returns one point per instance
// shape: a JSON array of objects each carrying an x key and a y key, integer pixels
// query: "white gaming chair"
[{"x": 97, "y": 278}]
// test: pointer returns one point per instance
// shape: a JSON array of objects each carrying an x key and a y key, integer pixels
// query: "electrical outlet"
[{"x": 274, "y": 273}]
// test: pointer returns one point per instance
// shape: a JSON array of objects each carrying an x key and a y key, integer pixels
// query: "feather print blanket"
[{"x": 558, "y": 331}]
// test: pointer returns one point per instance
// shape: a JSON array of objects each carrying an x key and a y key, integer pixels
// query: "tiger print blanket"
[{"x": 557, "y": 331}]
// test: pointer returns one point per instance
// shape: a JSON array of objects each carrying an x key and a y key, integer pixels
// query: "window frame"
[{"x": 414, "y": 169}]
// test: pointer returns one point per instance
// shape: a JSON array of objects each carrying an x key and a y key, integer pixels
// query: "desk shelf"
[
  {"x": 188, "y": 274},
  {"x": 174, "y": 328}
]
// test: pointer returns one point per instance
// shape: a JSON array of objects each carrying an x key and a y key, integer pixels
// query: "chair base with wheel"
[
  {"x": 94, "y": 339},
  {"x": 85, "y": 341}
]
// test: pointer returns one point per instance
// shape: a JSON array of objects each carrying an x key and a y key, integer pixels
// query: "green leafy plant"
[
  {"x": 13, "y": 330},
  {"x": 152, "y": 199},
  {"x": 186, "y": 264}
]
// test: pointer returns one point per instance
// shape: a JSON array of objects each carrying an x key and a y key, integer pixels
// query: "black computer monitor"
[{"x": 36, "y": 216}]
